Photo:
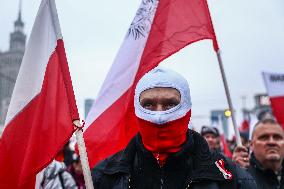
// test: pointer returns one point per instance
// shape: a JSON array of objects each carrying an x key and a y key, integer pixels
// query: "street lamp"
[{"x": 228, "y": 113}]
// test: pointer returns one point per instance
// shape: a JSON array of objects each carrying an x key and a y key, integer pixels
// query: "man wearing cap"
[
  {"x": 165, "y": 154},
  {"x": 212, "y": 136}
]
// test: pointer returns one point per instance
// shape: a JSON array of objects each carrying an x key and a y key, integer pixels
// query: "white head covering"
[{"x": 161, "y": 77}]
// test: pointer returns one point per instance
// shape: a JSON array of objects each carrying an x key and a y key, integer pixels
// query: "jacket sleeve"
[
  {"x": 243, "y": 179},
  {"x": 68, "y": 180},
  {"x": 97, "y": 173}
]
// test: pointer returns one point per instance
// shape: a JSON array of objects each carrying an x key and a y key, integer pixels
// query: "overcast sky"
[{"x": 250, "y": 34}]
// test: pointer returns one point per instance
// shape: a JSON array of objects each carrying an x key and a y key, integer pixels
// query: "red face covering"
[{"x": 164, "y": 139}]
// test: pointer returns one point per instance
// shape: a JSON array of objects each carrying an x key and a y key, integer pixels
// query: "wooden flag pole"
[
  {"x": 79, "y": 132},
  {"x": 83, "y": 156},
  {"x": 237, "y": 133}
]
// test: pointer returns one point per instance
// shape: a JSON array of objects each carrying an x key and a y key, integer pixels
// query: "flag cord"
[
  {"x": 83, "y": 156},
  {"x": 80, "y": 127},
  {"x": 237, "y": 133}
]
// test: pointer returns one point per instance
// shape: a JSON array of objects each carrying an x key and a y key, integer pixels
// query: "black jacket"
[
  {"x": 265, "y": 179},
  {"x": 193, "y": 167}
]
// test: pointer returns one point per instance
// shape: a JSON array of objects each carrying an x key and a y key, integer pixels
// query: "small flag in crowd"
[{"x": 274, "y": 83}]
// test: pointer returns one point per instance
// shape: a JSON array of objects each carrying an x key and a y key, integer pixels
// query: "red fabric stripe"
[
  {"x": 39, "y": 131},
  {"x": 67, "y": 80},
  {"x": 177, "y": 23},
  {"x": 226, "y": 148},
  {"x": 112, "y": 130},
  {"x": 277, "y": 104}
]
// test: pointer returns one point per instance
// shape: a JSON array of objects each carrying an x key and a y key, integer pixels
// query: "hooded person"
[
  {"x": 165, "y": 153},
  {"x": 163, "y": 108}
]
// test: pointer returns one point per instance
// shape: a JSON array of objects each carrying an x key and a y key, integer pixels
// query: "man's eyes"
[
  {"x": 147, "y": 105},
  {"x": 278, "y": 137},
  {"x": 171, "y": 105},
  {"x": 266, "y": 137},
  {"x": 263, "y": 137}
]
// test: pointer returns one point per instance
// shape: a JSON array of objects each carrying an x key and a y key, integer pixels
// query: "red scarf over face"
[{"x": 163, "y": 139}]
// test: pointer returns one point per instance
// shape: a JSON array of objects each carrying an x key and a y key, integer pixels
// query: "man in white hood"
[{"x": 165, "y": 153}]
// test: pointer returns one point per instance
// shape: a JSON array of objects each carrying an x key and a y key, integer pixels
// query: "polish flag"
[
  {"x": 274, "y": 83},
  {"x": 42, "y": 108},
  {"x": 159, "y": 29},
  {"x": 246, "y": 121}
]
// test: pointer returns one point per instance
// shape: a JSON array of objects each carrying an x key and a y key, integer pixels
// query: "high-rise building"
[
  {"x": 10, "y": 62},
  {"x": 88, "y": 105}
]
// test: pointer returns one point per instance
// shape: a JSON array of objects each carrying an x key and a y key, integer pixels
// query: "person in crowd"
[
  {"x": 265, "y": 163},
  {"x": 56, "y": 176},
  {"x": 75, "y": 169},
  {"x": 212, "y": 136},
  {"x": 165, "y": 153},
  {"x": 68, "y": 154}
]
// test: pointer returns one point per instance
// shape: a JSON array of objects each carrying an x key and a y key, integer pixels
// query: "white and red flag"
[
  {"x": 274, "y": 83},
  {"x": 159, "y": 29},
  {"x": 42, "y": 108},
  {"x": 244, "y": 127}
]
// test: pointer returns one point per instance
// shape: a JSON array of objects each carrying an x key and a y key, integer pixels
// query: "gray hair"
[{"x": 265, "y": 121}]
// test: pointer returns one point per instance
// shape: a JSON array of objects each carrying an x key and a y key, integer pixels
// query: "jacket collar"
[
  {"x": 195, "y": 150},
  {"x": 256, "y": 164}
]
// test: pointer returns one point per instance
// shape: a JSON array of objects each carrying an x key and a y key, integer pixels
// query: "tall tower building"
[
  {"x": 88, "y": 104},
  {"x": 10, "y": 62}
]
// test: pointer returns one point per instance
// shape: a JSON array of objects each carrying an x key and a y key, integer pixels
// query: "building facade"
[{"x": 10, "y": 62}]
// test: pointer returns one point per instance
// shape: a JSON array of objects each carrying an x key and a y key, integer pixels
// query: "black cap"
[{"x": 212, "y": 130}]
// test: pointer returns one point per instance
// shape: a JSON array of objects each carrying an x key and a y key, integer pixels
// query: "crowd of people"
[{"x": 165, "y": 154}]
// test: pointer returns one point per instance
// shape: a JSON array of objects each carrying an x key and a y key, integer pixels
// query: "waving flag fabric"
[
  {"x": 42, "y": 108},
  {"x": 274, "y": 83},
  {"x": 159, "y": 29}
]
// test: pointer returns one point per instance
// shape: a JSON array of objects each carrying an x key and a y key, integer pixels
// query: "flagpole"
[
  {"x": 237, "y": 133},
  {"x": 79, "y": 132},
  {"x": 83, "y": 156}
]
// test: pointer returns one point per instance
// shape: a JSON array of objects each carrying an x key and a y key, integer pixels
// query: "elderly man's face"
[
  {"x": 159, "y": 98},
  {"x": 268, "y": 143}
]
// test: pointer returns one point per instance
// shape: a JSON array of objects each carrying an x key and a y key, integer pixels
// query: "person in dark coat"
[
  {"x": 266, "y": 163},
  {"x": 75, "y": 169},
  {"x": 165, "y": 154},
  {"x": 68, "y": 154},
  {"x": 212, "y": 136}
]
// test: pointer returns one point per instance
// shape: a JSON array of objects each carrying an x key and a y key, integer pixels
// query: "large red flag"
[
  {"x": 42, "y": 108},
  {"x": 159, "y": 29},
  {"x": 274, "y": 83}
]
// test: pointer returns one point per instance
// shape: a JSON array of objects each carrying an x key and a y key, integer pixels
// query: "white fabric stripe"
[
  {"x": 123, "y": 70},
  {"x": 274, "y": 83},
  {"x": 55, "y": 20},
  {"x": 41, "y": 45}
]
